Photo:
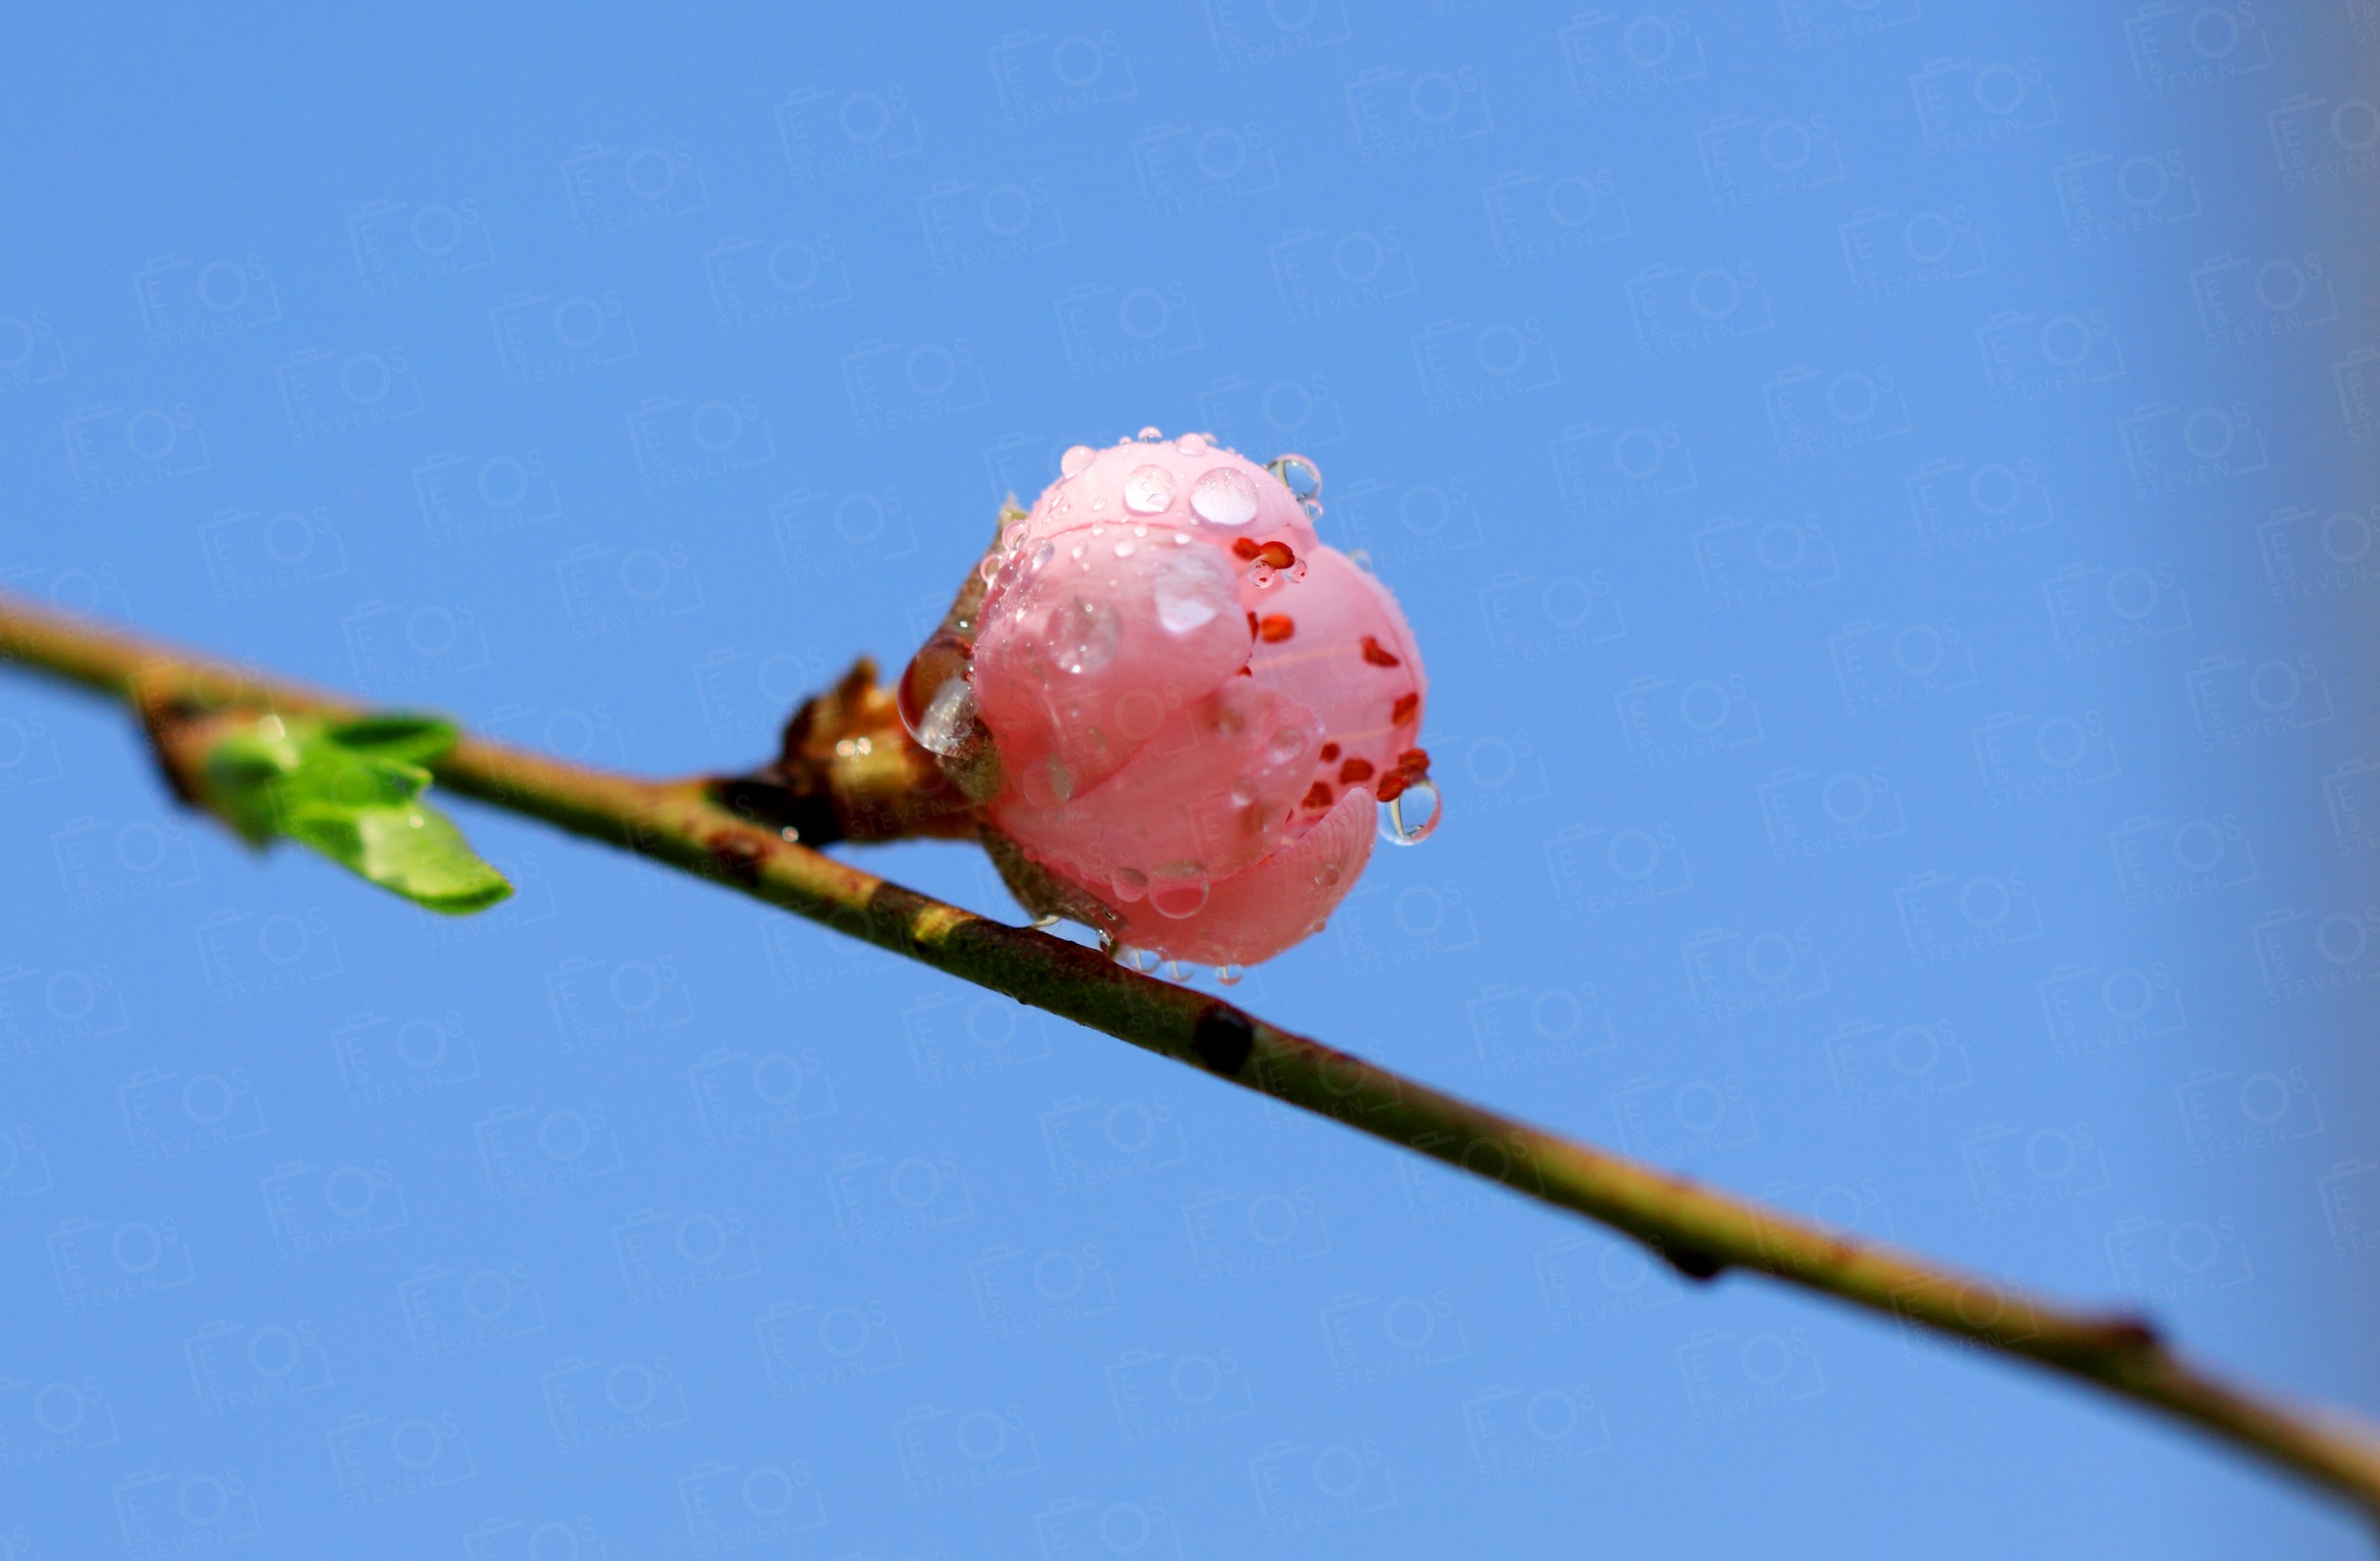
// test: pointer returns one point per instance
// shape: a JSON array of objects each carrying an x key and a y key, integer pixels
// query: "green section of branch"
[{"x": 1698, "y": 1229}]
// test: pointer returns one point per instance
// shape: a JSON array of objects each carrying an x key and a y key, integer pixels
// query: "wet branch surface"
[{"x": 847, "y": 772}]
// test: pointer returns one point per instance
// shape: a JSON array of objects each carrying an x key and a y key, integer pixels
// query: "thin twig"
[{"x": 1700, "y": 1232}]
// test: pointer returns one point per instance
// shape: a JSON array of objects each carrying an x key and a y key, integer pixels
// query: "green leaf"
[
  {"x": 413, "y": 850},
  {"x": 405, "y": 739},
  {"x": 352, "y": 791}
]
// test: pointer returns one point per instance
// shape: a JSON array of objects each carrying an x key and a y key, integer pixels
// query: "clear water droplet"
[
  {"x": 1312, "y": 508},
  {"x": 1041, "y": 557},
  {"x": 1151, "y": 435},
  {"x": 1129, "y": 884},
  {"x": 1191, "y": 445},
  {"x": 1048, "y": 919},
  {"x": 1014, "y": 537},
  {"x": 1328, "y": 875},
  {"x": 1182, "y": 538},
  {"x": 1148, "y": 491},
  {"x": 1058, "y": 779},
  {"x": 1412, "y": 816},
  {"x": 1262, "y": 575},
  {"x": 1174, "y": 970},
  {"x": 1124, "y": 549},
  {"x": 1285, "y": 743},
  {"x": 1180, "y": 889},
  {"x": 1075, "y": 459},
  {"x": 944, "y": 659},
  {"x": 1224, "y": 496},
  {"x": 1298, "y": 474},
  {"x": 989, "y": 567},
  {"x": 1230, "y": 975},
  {"x": 1143, "y": 960}
]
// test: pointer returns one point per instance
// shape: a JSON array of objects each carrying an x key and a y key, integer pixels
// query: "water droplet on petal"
[
  {"x": 1048, "y": 919},
  {"x": 1148, "y": 491},
  {"x": 943, "y": 661},
  {"x": 1077, "y": 458},
  {"x": 1191, "y": 445},
  {"x": 1041, "y": 557},
  {"x": 1229, "y": 975},
  {"x": 1180, "y": 889},
  {"x": 1124, "y": 550},
  {"x": 1014, "y": 537},
  {"x": 1192, "y": 589},
  {"x": 989, "y": 567},
  {"x": 1411, "y": 817},
  {"x": 1151, "y": 435},
  {"x": 1129, "y": 884},
  {"x": 1134, "y": 959},
  {"x": 1262, "y": 575},
  {"x": 1329, "y": 874},
  {"x": 1299, "y": 475},
  {"x": 1312, "y": 507},
  {"x": 1061, "y": 779},
  {"x": 1224, "y": 496}
]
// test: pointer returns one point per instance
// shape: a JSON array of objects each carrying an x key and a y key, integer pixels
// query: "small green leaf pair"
[{"x": 352, "y": 791}]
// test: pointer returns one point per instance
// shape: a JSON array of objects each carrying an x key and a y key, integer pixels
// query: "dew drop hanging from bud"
[
  {"x": 1411, "y": 817},
  {"x": 1299, "y": 475},
  {"x": 937, "y": 703}
]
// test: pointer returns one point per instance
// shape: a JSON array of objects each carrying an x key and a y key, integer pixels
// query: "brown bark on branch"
[{"x": 736, "y": 833}]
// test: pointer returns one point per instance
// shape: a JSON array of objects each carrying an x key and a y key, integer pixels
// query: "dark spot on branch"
[
  {"x": 739, "y": 856},
  {"x": 1699, "y": 1267},
  {"x": 1222, "y": 1039}
]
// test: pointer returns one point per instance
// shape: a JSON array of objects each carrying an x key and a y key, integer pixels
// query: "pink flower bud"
[{"x": 1196, "y": 704}]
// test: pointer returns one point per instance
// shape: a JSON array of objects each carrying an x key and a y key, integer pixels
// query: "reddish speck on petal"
[
  {"x": 1355, "y": 771},
  {"x": 1316, "y": 795},
  {"x": 1374, "y": 654},
  {"x": 1243, "y": 548},
  {"x": 1274, "y": 628},
  {"x": 1277, "y": 554},
  {"x": 1392, "y": 785},
  {"x": 1402, "y": 711},
  {"x": 1329, "y": 752}
]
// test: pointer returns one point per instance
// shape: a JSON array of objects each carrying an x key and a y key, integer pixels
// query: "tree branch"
[{"x": 1700, "y": 1231}]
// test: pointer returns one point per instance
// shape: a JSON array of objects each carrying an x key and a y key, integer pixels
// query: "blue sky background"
[{"x": 1886, "y": 498}]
